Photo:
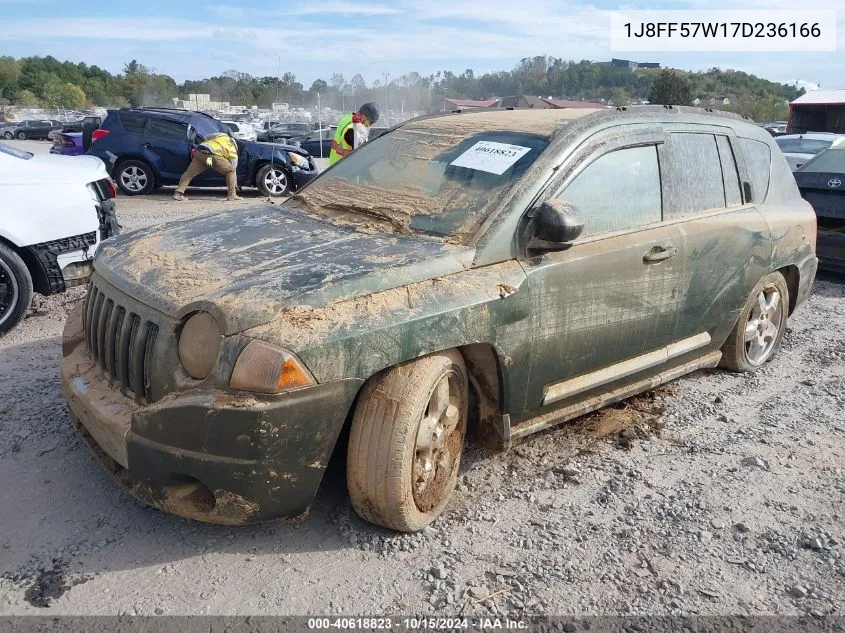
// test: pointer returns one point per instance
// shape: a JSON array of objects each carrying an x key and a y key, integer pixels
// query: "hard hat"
[{"x": 370, "y": 110}]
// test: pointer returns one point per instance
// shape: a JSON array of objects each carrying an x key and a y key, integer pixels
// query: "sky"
[{"x": 194, "y": 39}]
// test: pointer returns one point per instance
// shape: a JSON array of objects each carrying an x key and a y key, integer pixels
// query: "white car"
[
  {"x": 242, "y": 131},
  {"x": 800, "y": 148},
  {"x": 55, "y": 212}
]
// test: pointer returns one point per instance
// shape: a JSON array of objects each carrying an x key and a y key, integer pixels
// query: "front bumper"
[{"x": 214, "y": 456}]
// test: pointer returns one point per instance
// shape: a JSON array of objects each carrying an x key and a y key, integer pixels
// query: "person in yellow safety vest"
[
  {"x": 218, "y": 152},
  {"x": 353, "y": 131}
]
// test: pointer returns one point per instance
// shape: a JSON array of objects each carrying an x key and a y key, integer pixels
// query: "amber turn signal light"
[{"x": 264, "y": 368}]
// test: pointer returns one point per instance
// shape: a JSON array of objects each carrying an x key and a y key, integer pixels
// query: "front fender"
[{"x": 357, "y": 338}]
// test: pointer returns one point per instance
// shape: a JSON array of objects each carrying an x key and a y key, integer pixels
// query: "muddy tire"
[
  {"x": 759, "y": 330},
  {"x": 15, "y": 289},
  {"x": 406, "y": 441}
]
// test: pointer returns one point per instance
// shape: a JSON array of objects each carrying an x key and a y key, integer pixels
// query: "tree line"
[{"x": 48, "y": 82}]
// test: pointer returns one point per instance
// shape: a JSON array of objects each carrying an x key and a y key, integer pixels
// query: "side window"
[
  {"x": 617, "y": 191},
  {"x": 169, "y": 130},
  {"x": 730, "y": 175},
  {"x": 132, "y": 123},
  {"x": 694, "y": 177},
  {"x": 758, "y": 162}
]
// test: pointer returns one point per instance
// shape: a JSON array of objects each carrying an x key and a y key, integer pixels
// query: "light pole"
[{"x": 386, "y": 102}]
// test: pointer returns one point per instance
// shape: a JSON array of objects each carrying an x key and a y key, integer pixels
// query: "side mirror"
[{"x": 556, "y": 222}]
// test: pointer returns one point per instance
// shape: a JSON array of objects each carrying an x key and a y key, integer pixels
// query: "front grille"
[{"x": 121, "y": 341}]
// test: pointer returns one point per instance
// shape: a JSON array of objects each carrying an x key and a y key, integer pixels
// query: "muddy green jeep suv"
[{"x": 507, "y": 270}]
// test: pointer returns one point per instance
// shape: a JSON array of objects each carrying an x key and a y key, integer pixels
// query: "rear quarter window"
[
  {"x": 758, "y": 162},
  {"x": 694, "y": 181},
  {"x": 132, "y": 123}
]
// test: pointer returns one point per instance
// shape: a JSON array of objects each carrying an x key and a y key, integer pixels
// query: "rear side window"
[
  {"x": 729, "y": 172},
  {"x": 694, "y": 181},
  {"x": 758, "y": 162},
  {"x": 169, "y": 130},
  {"x": 617, "y": 191},
  {"x": 132, "y": 123}
]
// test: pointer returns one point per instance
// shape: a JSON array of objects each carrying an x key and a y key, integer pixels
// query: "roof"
[
  {"x": 821, "y": 97},
  {"x": 536, "y": 121},
  {"x": 471, "y": 103},
  {"x": 563, "y": 103}
]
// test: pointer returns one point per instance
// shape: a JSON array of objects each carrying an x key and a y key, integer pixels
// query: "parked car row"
[
  {"x": 146, "y": 148},
  {"x": 36, "y": 129}
]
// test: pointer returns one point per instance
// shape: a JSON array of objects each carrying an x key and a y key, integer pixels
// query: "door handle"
[{"x": 660, "y": 253}]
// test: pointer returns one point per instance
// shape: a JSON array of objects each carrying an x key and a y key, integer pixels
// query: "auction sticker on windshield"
[{"x": 494, "y": 158}]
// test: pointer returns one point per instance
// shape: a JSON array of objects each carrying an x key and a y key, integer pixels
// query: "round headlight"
[{"x": 199, "y": 345}]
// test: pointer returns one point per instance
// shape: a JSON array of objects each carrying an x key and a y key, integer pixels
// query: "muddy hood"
[{"x": 246, "y": 266}]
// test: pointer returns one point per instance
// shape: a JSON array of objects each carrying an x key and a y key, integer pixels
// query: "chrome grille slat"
[{"x": 121, "y": 342}]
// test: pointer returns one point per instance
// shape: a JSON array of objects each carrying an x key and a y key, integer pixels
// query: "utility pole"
[{"x": 386, "y": 103}]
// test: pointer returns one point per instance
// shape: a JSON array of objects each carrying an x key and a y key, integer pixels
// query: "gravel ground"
[{"x": 719, "y": 494}]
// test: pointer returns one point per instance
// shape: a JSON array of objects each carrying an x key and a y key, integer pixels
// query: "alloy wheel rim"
[
  {"x": 133, "y": 178},
  {"x": 438, "y": 443},
  {"x": 276, "y": 181},
  {"x": 9, "y": 291},
  {"x": 764, "y": 324}
]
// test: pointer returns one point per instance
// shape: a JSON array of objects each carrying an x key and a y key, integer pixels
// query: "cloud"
[{"x": 342, "y": 8}]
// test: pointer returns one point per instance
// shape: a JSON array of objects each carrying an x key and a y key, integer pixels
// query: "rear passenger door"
[
  {"x": 167, "y": 147},
  {"x": 726, "y": 241}
]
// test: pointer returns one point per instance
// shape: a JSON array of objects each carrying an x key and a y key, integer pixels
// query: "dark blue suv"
[{"x": 145, "y": 148}]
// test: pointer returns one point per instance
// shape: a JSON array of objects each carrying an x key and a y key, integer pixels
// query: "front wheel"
[
  {"x": 22, "y": 136},
  {"x": 758, "y": 332},
  {"x": 8, "y": 136},
  {"x": 406, "y": 442},
  {"x": 134, "y": 178},
  {"x": 15, "y": 289},
  {"x": 273, "y": 181}
]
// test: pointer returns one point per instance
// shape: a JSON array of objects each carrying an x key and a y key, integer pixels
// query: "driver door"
[{"x": 604, "y": 308}]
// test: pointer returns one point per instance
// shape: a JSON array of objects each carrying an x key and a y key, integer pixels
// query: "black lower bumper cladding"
[{"x": 46, "y": 256}]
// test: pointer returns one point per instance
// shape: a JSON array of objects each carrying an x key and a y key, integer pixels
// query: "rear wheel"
[
  {"x": 22, "y": 136},
  {"x": 15, "y": 289},
  {"x": 273, "y": 181},
  {"x": 406, "y": 442},
  {"x": 8, "y": 136},
  {"x": 134, "y": 177},
  {"x": 759, "y": 331}
]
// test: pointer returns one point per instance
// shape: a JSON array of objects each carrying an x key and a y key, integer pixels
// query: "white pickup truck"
[{"x": 54, "y": 213}]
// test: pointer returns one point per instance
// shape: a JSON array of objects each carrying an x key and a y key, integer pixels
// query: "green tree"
[
  {"x": 64, "y": 94},
  {"x": 10, "y": 70},
  {"x": 619, "y": 97},
  {"x": 26, "y": 99},
  {"x": 670, "y": 89},
  {"x": 319, "y": 85}
]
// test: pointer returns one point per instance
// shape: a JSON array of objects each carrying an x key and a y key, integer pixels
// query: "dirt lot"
[{"x": 721, "y": 494}]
